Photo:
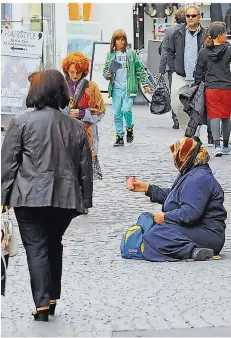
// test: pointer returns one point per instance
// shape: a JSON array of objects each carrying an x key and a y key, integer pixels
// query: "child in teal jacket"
[{"x": 123, "y": 69}]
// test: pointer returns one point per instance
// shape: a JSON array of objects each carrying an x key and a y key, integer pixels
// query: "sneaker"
[
  {"x": 226, "y": 150},
  {"x": 201, "y": 254},
  {"x": 218, "y": 151},
  {"x": 130, "y": 135},
  {"x": 210, "y": 141},
  {"x": 119, "y": 141}
]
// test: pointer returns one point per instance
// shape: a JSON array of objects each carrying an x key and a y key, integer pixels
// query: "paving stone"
[{"x": 103, "y": 293}]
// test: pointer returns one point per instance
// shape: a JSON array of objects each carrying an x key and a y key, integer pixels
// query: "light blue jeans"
[{"x": 122, "y": 107}]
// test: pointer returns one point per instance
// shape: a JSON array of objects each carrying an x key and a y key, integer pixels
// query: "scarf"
[
  {"x": 71, "y": 87},
  {"x": 188, "y": 153}
]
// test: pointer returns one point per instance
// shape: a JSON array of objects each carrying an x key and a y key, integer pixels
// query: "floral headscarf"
[{"x": 188, "y": 153}]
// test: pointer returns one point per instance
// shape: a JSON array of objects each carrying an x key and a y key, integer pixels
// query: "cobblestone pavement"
[{"x": 103, "y": 293}]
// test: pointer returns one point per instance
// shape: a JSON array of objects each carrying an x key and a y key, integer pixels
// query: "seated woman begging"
[{"x": 192, "y": 221}]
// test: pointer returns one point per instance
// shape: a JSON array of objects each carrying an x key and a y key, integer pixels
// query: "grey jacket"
[
  {"x": 164, "y": 48},
  {"x": 46, "y": 161}
]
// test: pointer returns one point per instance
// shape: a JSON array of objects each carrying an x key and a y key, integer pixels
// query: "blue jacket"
[{"x": 195, "y": 204}]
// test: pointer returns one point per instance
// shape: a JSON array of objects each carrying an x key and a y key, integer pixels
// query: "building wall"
[
  {"x": 61, "y": 18},
  {"x": 114, "y": 16}
]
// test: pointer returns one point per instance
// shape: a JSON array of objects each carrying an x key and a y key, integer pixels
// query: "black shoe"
[
  {"x": 119, "y": 141},
  {"x": 176, "y": 125},
  {"x": 130, "y": 135},
  {"x": 210, "y": 140},
  {"x": 41, "y": 316},
  {"x": 52, "y": 309},
  {"x": 201, "y": 254},
  {"x": 175, "y": 121}
]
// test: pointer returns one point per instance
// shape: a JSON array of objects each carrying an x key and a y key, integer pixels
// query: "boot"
[
  {"x": 130, "y": 135},
  {"x": 119, "y": 141},
  {"x": 175, "y": 120}
]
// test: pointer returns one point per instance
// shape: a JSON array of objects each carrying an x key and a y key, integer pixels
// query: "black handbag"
[{"x": 161, "y": 100}]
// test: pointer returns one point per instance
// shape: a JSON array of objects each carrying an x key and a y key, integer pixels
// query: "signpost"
[
  {"x": 21, "y": 43},
  {"x": 21, "y": 53}
]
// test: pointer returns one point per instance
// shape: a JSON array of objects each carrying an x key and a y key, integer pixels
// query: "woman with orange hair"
[{"x": 86, "y": 102}]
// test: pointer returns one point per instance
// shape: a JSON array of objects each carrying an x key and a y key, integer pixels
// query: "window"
[{"x": 6, "y": 11}]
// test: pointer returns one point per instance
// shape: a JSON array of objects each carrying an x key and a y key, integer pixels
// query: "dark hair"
[
  {"x": 117, "y": 35},
  {"x": 48, "y": 88},
  {"x": 217, "y": 28},
  {"x": 180, "y": 16}
]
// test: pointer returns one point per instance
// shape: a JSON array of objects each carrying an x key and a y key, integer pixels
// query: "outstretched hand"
[{"x": 140, "y": 186}]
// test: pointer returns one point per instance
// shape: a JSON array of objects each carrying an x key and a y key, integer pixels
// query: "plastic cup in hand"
[{"x": 130, "y": 182}]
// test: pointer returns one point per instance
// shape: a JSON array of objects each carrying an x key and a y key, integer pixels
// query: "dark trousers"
[
  {"x": 4, "y": 272},
  {"x": 41, "y": 231}
]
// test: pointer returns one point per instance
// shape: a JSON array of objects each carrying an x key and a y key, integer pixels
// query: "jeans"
[
  {"x": 41, "y": 230},
  {"x": 122, "y": 107}
]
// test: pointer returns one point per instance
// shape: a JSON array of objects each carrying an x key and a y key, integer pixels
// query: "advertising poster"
[
  {"x": 100, "y": 50},
  {"x": 81, "y": 36},
  {"x": 161, "y": 28},
  {"x": 84, "y": 46},
  {"x": 14, "y": 82}
]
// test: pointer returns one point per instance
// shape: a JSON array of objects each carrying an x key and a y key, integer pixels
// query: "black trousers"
[
  {"x": 4, "y": 273},
  {"x": 41, "y": 231}
]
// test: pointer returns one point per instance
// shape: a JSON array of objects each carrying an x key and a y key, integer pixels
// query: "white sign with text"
[{"x": 21, "y": 43}]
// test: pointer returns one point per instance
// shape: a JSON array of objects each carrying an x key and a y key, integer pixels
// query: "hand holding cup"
[{"x": 140, "y": 186}]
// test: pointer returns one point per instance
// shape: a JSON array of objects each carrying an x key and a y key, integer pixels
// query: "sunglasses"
[{"x": 192, "y": 15}]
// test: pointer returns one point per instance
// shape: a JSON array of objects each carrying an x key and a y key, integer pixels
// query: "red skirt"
[{"x": 218, "y": 103}]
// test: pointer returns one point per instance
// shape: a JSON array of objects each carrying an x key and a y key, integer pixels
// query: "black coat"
[
  {"x": 46, "y": 161},
  {"x": 194, "y": 105},
  {"x": 176, "y": 46}
]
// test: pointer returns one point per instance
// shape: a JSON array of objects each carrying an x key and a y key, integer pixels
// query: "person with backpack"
[
  {"x": 213, "y": 68},
  {"x": 123, "y": 69},
  {"x": 163, "y": 50},
  {"x": 86, "y": 103}
]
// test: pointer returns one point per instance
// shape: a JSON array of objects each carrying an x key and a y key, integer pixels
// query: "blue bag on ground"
[{"x": 132, "y": 242}]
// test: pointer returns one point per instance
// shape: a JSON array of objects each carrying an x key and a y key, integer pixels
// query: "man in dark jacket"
[
  {"x": 163, "y": 68},
  {"x": 184, "y": 46}
]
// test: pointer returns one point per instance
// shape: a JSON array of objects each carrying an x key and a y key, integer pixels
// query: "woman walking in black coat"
[
  {"x": 47, "y": 179},
  {"x": 213, "y": 67}
]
